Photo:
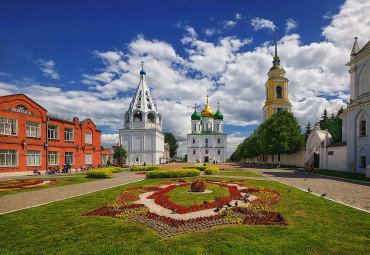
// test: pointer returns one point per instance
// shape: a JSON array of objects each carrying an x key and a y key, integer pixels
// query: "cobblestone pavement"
[
  {"x": 349, "y": 192},
  {"x": 18, "y": 201}
]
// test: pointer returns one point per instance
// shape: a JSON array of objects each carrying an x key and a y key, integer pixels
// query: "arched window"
[
  {"x": 363, "y": 126},
  {"x": 364, "y": 82},
  {"x": 278, "y": 92},
  {"x": 138, "y": 117},
  {"x": 151, "y": 117}
]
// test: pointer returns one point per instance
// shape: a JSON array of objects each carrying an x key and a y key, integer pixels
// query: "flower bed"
[
  {"x": 198, "y": 186},
  {"x": 259, "y": 211},
  {"x": 26, "y": 184}
]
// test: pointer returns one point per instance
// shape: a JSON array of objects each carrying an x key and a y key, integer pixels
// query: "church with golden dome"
[
  {"x": 207, "y": 142},
  {"x": 276, "y": 89}
]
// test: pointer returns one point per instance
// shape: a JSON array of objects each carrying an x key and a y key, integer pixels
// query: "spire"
[
  {"x": 195, "y": 106},
  {"x": 218, "y": 106},
  {"x": 142, "y": 68},
  {"x": 355, "y": 49},
  {"x": 276, "y": 43},
  {"x": 207, "y": 98}
]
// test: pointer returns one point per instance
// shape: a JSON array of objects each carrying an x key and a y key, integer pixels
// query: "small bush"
[
  {"x": 115, "y": 169},
  {"x": 100, "y": 173},
  {"x": 211, "y": 170},
  {"x": 200, "y": 168},
  {"x": 145, "y": 168},
  {"x": 173, "y": 173}
]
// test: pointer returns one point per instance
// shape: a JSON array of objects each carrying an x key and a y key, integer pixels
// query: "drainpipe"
[{"x": 47, "y": 143}]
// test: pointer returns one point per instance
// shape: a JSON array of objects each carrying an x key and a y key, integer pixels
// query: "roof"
[
  {"x": 21, "y": 94},
  {"x": 338, "y": 144},
  {"x": 105, "y": 152}
]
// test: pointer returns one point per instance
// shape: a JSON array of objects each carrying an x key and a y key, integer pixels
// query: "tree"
[
  {"x": 332, "y": 124},
  {"x": 324, "y": 122},
  {"x": 281, "y": 134},
  {"x": 120, "y": 153},
  {"x": 171, "y": 140},
  {"x": 308, "y": 130}
]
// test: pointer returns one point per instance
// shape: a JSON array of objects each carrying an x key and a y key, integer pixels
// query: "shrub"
[
  {"x": 115, "y": 169},
  {"x": 211, "y": 170},
  {"x": 100, "y": 173},
  {"x": 198, "y": 186},
  {"x": 172, "y": 173},
  {"x": 200, "y": 168},
  {"x": 145, "y": 168}
]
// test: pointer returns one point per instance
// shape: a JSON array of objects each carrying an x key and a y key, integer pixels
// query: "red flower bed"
[
  {"x": 22, "y": 185},
  {"x": 198, "y": 186}
]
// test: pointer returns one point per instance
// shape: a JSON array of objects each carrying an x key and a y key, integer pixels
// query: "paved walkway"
[
  {"x": 349, "y": 192},
  {"x": 18, "y": 201}
]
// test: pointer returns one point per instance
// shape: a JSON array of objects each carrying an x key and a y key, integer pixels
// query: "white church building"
[
  {"x": 207, "y": 142},
  {"x": 141, "y": 134}
]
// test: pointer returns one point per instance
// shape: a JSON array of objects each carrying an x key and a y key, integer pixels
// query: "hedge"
[
  {"x": 115, "y": 169},
  {"x": 100, "y": 173},
  {"x": 211, "y": 170},
  {"x": 145, "y": 168},
  {"x": 172, "y": 173},
  {"x": 200, "y": 168}
]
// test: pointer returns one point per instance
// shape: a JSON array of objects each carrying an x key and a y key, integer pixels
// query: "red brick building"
[{"x": 30, "y": 137}]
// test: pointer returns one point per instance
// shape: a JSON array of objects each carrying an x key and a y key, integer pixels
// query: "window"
[
  {"x": 362, "y": 162},
  {"x": 68, "y": 134},
  {"x": 69, "y": 158},
  {"x": 33, "y": 129},
  {"x": 193, "y": 140},
  {"x": 88, "y": 158},
  {"x": 363, "y": 131},
  {"x": 33, "y": 158},
  {"x": 195, "y": 127},
  {"x": 53, "y": 158},
  {"x": 219, "y": 152},
  {"x": 8, "y": 126},
  {"x": 278, "y": 92},
  {"x": 218, "y": 140},
  {"x": 206, "y": 140},
  {"x": 8, "y": 157},
  {"x": 194, "y": 152},
  {"x": 206, "y": 151},
  {"x": 53, "y": 132},
  {"x": 137, "y": 159},
  {"x": 88, "y": 138}
]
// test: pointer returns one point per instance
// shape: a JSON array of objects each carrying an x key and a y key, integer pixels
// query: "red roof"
[{"x": 105, "y": 152}]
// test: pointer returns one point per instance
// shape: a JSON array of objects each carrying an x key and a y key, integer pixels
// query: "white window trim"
[
  {"x": 70, "y": 133},
  {"x": 88, "y": 140},
  {"x": 12, "y": 153},
  {"x": 55, "y": 130},
  {"x": 55, "y": 157},
  {"x": 69, "y": 156},
  {"x": 31, "y": 127},
  {"x": 7, "y": 124},
  {"x": 32, "y": 157}
]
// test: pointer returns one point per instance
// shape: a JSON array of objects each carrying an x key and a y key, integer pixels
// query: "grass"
[
  {"x": 316, "y": 226},
  {"x": 74, "y": 180},
  {"x": 239, "y": 173},
  {"x": 181, "y": 197}
]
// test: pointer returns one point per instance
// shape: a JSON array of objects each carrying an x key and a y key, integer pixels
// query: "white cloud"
[
  {"x": 290, "y": 24},
  {"x": 109, "y": 140},
  {"x": 5, "y": 74},
  {"x": 232, "y": 23},
  {"x": 47, "y": 67},
  {"x": 259, "y": 23},
  {"x": 210, "y": 31}
]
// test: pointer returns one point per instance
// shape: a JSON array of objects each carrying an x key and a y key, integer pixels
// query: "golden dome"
[{"x": 207, "y": 112}]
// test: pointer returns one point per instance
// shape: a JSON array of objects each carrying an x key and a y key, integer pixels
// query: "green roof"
[
  {"x": 218, "y": 116},
  {"x": 195, "y": 116}
]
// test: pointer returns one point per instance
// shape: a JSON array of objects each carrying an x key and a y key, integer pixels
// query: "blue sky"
[{"x": 82, "y": 58}]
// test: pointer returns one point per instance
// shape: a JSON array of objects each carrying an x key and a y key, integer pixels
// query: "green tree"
[
  {"x": 308, "y": 130},
  {"x": 332, "y": 124},
  {"x": 324, "y": 122},
  {"x": 281, "y": 134},
  {"x": 120, "y": 153},
  {"x": 171, "y": 140}
]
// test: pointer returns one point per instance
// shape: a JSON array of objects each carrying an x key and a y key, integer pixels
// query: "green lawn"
[
  {"x": 316, "y": 226},
  {"x": 181, "y": 197},
  {"x": 74, "y": 180},
  {"x": 239, "y": 173}
]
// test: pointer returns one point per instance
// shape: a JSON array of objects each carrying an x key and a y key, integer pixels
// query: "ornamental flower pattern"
[
  {"x": 27, "y": 184},
  {"x": 260, "y": 211}
]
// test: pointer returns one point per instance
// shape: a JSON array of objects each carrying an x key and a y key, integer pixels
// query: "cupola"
[
  {"x": 207, "y": 112},
  {"x": 195, "y": 115},
  {"x": 218, "y": 115}
]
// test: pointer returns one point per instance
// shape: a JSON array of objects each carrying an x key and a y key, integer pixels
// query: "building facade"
[
  {"x": 356, "y": 117},
  {"x": 141, "y": 134},
  {"x": 207, "y": 142},
  {"x": 30, "y": 137},
  {"x": 276, "y": 89}
]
